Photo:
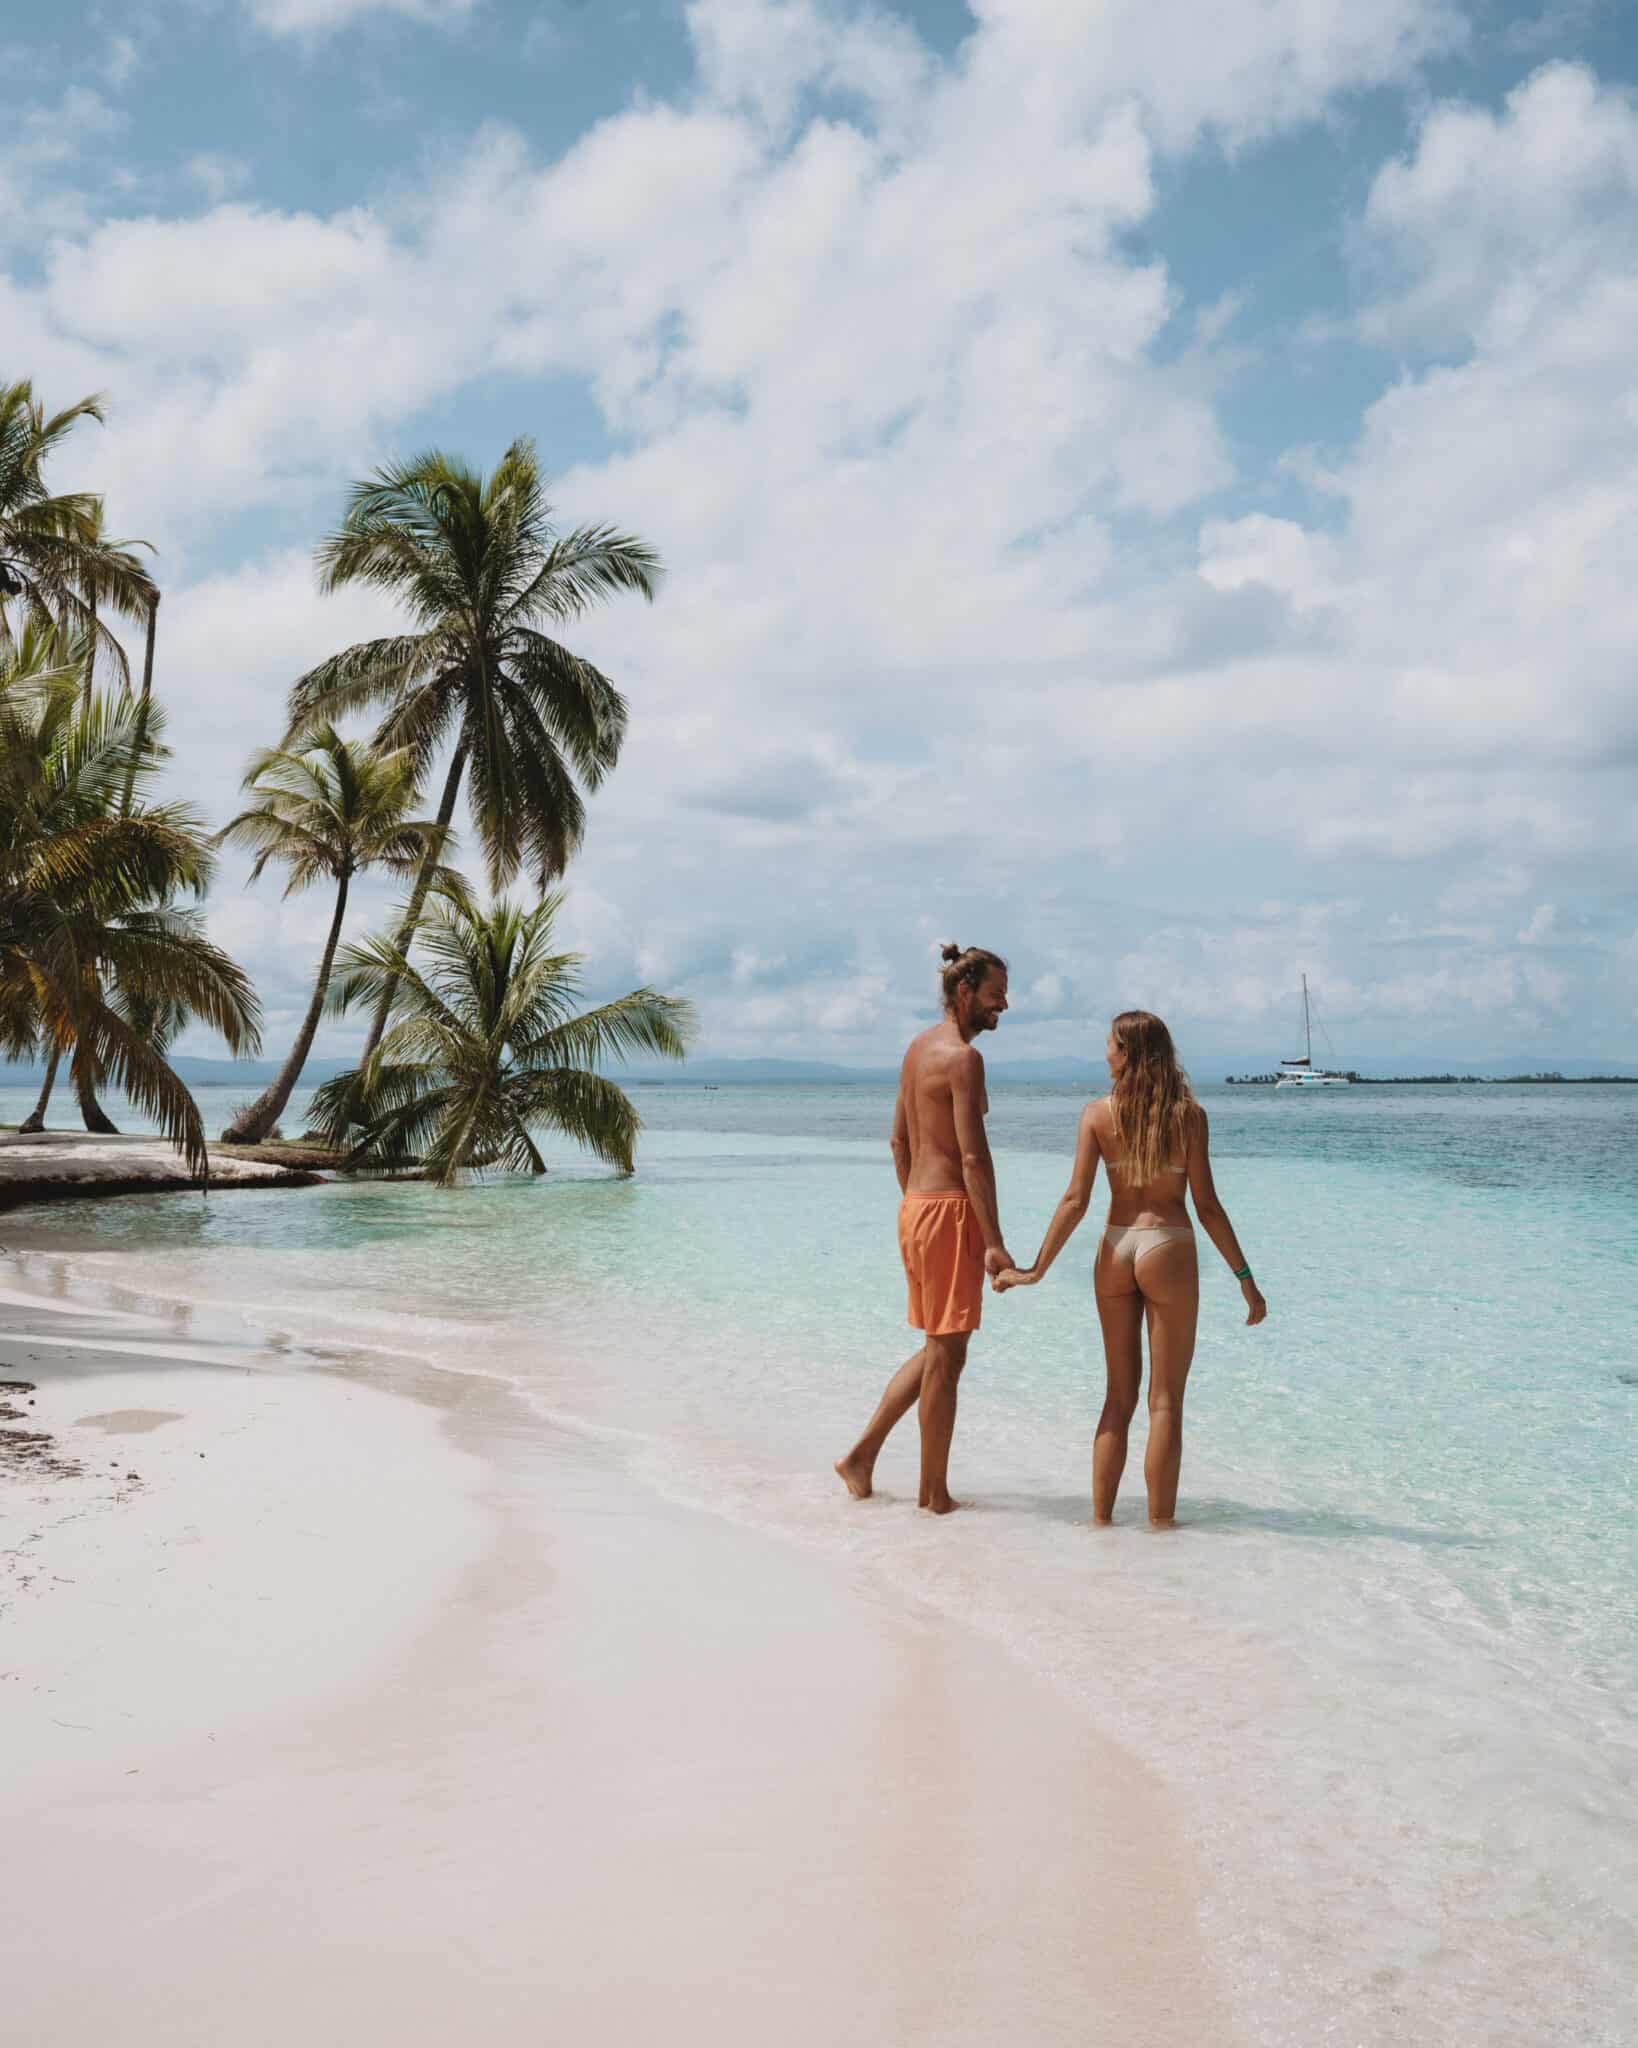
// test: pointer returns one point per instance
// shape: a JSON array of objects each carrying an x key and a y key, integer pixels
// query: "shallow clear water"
[{"x": 1392, "y": 1660}]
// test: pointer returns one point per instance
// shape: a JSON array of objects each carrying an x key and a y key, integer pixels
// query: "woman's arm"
[
  {"x": 1067, "y": 1216},
  {"x": 1214, "y": 1217}
]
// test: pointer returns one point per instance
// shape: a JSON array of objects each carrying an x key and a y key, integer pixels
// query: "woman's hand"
[
  {"x": 1256, "y": 1307},
  {"x": 1013, "y": 1277}
]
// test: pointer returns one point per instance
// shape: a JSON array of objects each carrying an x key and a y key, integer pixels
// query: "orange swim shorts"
[{"x": 943, "y": 1261}]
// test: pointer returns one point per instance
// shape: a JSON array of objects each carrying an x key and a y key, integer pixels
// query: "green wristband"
[{"x": 1244, "y": 1273}]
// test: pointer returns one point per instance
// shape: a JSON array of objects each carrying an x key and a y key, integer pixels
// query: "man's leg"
[
  {"x": 859, "y": 1466},
  {"x": 941, "y": 1371}
]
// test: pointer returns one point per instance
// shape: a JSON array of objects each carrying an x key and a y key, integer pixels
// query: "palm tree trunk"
[
  {"x": 251, "y": 1125},
  {"x": 91, "y": 1110},
  {"x": 418, "y": 897},
  {"x": 35, "y": 1120},
  {"x": 140, "y": 739}
]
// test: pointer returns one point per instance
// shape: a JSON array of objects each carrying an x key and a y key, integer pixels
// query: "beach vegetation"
[
  {"x": 100, "y": 958},
  {"x": 58, "y": 568},
  {"x": 485, "y": 579},
  {"x": 485, "y": 1046},
  {"x": 327, "y": 812},
  {"x": 103, "y": 954}
]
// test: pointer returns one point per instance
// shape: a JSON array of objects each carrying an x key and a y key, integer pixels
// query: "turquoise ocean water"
[{"x": 1391, "y": 1663}]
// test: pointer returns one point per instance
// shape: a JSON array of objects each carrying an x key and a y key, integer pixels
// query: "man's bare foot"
[
  {"x": 1162, "y": 1522},
  {"x": 1103, "y": 1521},
  {"x": 940, "y": 1504},
  {"x": 854, "y": 1475}
]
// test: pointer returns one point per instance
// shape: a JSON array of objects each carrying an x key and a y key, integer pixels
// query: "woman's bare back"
[{"x": 1161, "y": 1201}]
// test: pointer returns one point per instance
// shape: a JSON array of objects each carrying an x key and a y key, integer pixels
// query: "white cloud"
[
  {"x": 39, "y": 153},
  {"x": 1495, "y": 217},
  {"x": 958, "y": 632},
  {"x": 323, "y": 17},
  {"x": 217, "y": 176}
]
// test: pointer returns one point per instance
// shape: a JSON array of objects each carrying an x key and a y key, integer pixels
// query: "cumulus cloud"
[
  {"x": 1495, "y": 217},
  {"x": 972, "y": 623}
]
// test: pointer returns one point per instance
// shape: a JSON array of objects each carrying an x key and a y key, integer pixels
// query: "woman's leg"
[
  {"x": 1121, "y": 1315},
  {"x": 1170, "y": 1278}
]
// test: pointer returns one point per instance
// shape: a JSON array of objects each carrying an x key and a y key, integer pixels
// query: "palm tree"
[
  {"x": 39, "y": 661},
  {"x": 477, "y": 565},
  {"x": 328, "y": 813},
  {"x": 90, "y": 940},
  {"x": 57, "y": 566},
  {"x": 487, "y": 1047}
]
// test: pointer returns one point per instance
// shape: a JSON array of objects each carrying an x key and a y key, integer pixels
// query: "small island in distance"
[{"x": 1462, "y": 1080}]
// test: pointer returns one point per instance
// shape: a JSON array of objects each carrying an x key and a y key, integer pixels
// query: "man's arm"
[
  {"x": 901, "y": 1140},
  {"x": 977, "y": 1168}
]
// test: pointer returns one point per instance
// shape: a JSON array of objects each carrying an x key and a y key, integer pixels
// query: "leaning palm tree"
[
  {"x": 57, "y": 566},
  {"x": 91, "y": 943},
  {"x": 329, "y": 812},
  {"x": 486, "y": 1046},
  {"x": 480, "y": 570}
]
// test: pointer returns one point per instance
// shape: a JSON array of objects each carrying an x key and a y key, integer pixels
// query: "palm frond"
[
  {"x": 644, "y": 1022},
  {"x": 583, "y": 567}
]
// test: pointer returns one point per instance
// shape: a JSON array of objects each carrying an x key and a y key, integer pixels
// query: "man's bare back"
[{"x": 938, "y": 1063}]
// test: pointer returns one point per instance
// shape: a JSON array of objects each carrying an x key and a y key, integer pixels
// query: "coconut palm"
[
  {"x": 57, "y": 566},
  {"x": 486, "y": 1046},
  {"x": 480, "y": 570},
  {"x": 37, "y": 662},
  {"x": 328, "y": 813},
  {"x": 90, "y": 939}
]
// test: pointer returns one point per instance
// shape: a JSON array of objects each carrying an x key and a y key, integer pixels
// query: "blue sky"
[{"x": 1145, "y": 488}]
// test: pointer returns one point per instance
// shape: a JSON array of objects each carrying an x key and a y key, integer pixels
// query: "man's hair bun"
[
  {"x": 966, "y": 967},
  {"x": 949, "y": 950}
]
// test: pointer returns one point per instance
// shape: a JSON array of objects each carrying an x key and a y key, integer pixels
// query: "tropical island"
[
  {"x": 1454, "y": 1080},
  {"x": 475, "y": 1043}
]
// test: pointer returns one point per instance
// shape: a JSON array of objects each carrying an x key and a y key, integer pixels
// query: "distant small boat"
[{"x": 1302, "y": 1073}]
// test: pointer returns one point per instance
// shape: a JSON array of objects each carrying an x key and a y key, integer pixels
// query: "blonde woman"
[{"x": 1151, "y": 1134}]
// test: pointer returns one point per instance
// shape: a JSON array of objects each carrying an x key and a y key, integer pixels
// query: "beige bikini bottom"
[{"x": 1128, "y": 1242}]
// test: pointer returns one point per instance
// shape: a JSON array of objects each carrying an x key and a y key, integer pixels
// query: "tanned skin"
[
  {"x": 1162, "y": 1290},
  {"x": 939, "y": 1147}
]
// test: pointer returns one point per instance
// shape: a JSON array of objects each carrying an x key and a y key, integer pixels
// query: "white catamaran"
[{"x": 1295, "y": 1073}]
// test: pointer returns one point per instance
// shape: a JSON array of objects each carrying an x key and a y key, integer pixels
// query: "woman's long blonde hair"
[{"x": 1151, "y": 1102}]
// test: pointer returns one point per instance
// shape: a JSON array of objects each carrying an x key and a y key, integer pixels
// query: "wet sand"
[{"x": 356, "y": 1717}]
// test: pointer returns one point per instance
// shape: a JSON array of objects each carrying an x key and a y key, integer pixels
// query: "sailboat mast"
[{"x": 1307, "y": 1034}]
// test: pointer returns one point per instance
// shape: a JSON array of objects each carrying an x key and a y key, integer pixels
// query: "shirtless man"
[{"x": 949, "y": 1230}]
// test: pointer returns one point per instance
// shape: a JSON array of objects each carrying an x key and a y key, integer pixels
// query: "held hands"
[
  {"x": 1013, "y": 1276},
  {"x": 998, "y": 1263}
]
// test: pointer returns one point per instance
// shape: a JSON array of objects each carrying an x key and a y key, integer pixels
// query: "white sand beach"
[{"x": 336, "y": 1715}]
